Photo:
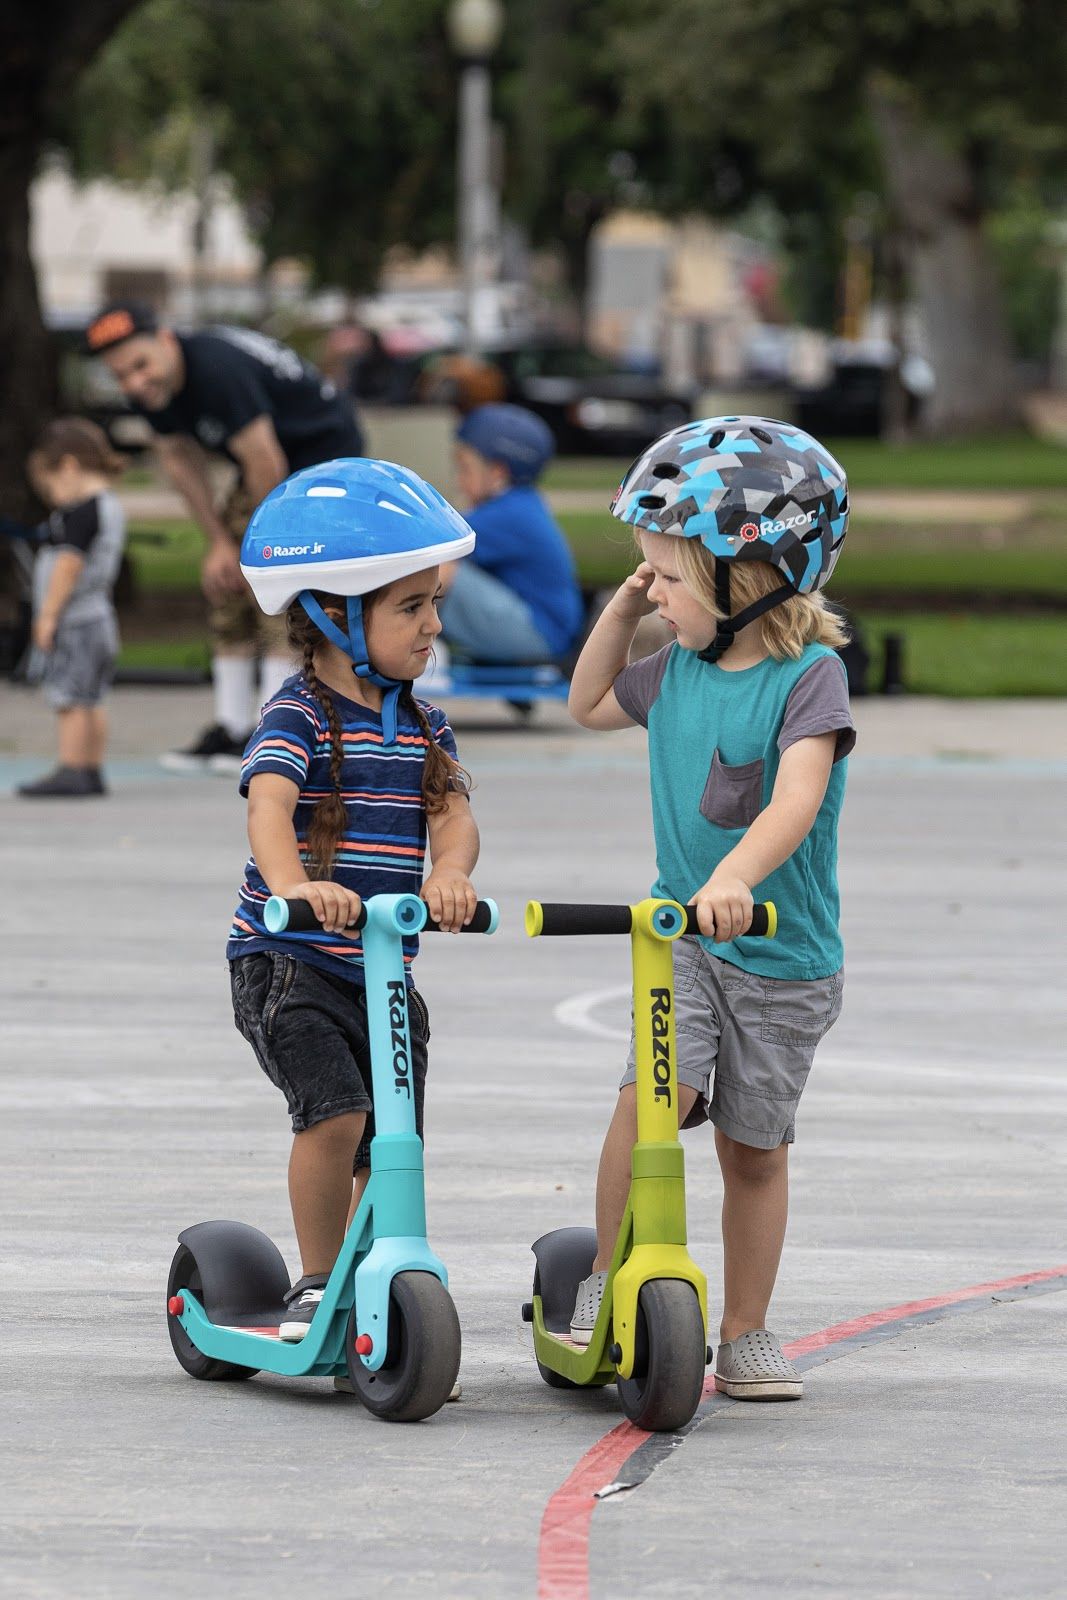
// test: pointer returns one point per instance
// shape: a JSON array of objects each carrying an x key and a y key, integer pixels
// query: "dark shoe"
[
  {"x": 65, "y": 783},
  {"x": 216, "y": 750},
  {"x": 303, "y": 1302}
]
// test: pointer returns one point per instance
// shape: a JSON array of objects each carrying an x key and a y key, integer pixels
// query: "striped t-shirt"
[{"x": 383, "y": 850}]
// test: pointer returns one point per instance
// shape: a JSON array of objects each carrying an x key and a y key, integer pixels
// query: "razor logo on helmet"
[
  {"x": 271, "y": 550},
  {"x": 779, "y": 525}
]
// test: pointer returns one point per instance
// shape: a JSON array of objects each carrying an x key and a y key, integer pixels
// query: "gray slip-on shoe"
[
  {"x": 587, "y": 1307},
  {"x": 753, "y": 1367}
]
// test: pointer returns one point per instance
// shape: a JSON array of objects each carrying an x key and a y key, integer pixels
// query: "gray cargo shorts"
[
  {"x": 81, "y": 664},
  {"x": 745, "y": 1043}
]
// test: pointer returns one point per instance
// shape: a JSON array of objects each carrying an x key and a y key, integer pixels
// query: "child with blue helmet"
[
  {"x": 740, "y": 521},
  {"x": 518, "y": 598},
  {"x": 349, "y": 778}
]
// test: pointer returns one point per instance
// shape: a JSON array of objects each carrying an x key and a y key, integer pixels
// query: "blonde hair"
[{"x": 801, "y": 620}]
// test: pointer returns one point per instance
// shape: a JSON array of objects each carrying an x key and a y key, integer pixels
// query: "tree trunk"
[
  {"x": 950, "y": 271},
  {"x": 43, "y": 49}
]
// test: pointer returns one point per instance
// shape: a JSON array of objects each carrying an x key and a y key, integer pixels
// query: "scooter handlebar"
[
  {"x": 569, "y": 919},
  {"x": 297, "y": 916}
]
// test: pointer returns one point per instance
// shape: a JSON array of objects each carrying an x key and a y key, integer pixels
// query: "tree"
[
  {"x": 956, "y": 97},
  {"x": 44, "y": 49}
]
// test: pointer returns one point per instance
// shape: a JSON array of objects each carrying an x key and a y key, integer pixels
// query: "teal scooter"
[{"x": 386, "y": 1320}]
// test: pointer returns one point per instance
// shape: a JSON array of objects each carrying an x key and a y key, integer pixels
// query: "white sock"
[
  {"x": 273, "y": 671},
  {"x": 234, "y": 678}
]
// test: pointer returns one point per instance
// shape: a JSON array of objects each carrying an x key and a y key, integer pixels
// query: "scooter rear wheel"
[
  {"x": 555, "y": 1380},
  {"x": 669, "y": 1352},
  {"x": 422, "y": 1357},
  {"x": 185, "y": 1274}
]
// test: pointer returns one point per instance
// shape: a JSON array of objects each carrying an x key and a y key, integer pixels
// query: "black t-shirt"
[{"x": 233, "y": 376}]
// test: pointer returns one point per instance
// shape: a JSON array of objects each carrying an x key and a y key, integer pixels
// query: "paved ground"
[{"x": 930, "y": 1156}]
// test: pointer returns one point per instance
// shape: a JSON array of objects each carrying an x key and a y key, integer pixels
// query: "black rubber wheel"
[
  {"x": 555, "y": 1380},
  {"x": 669, "y": 1355},
  {"x": 185, "y": 1274},
  {"x": 422, "y": 1356}
]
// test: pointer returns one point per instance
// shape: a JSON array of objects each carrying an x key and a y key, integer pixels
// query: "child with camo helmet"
[{"x": 740, "y": 522}]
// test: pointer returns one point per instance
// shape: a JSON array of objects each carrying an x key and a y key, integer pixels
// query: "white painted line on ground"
[{"x": 574, "y": 1013}]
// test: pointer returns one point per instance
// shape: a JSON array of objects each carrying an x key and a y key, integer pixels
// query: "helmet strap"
[
  {"x": 354, "y": 646},
  {"x": 729, "y": 627}
]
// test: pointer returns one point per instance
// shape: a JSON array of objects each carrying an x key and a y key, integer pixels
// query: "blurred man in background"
[{"x": 232, "y": 393}]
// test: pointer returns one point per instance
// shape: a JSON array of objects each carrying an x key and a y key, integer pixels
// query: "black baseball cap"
[{"x": 116, "y": 323}]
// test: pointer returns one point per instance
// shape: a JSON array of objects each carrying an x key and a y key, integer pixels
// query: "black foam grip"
[
  {"x": 563, "y": 918},
  {"x": 758, "y": 930},
  {"x": 302, "y": 918},
  {"x": 479, "y": 923}
]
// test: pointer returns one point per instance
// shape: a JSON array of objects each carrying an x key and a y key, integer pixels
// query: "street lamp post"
[{"x": 475, "y": 27}]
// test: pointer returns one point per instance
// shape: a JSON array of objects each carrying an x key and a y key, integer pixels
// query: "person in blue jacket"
[{"x": 517, "y": 598}]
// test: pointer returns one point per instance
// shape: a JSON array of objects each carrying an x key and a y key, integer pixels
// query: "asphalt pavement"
[{"x": 927, "y": 1461}]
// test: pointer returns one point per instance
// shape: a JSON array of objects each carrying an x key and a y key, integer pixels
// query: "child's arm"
[
  {"x": 271, "y": 804},
  {"x": 454, "y": 844},
  {"x": 592, "y": 701},
  {"x": 724, "y": 904},
  {"x": 66, "y": 571}
]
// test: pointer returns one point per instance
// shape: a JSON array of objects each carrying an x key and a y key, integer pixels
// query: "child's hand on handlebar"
[
  {"x": 724, "y": 908},
  {"x": 450, "y": 898},
  {"x": 630, "y": 601},
  {"x": 335, "y": 907}
]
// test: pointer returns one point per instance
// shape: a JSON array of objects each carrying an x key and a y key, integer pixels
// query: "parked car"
[{"x": 593, "y": 406}]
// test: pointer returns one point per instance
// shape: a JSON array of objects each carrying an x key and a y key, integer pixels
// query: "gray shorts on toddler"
[
  {"x": 81, "y": 664},
  {"x": 745, "y": 1043}
]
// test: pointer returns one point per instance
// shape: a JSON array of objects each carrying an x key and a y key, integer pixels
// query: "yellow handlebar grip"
[{"x": 534, "y": 919}]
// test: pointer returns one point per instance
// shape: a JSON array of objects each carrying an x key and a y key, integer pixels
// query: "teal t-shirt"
[{"x": 715, "y": 739}]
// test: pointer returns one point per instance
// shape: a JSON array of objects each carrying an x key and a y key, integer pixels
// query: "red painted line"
[{"x": 563, "y": 1550}]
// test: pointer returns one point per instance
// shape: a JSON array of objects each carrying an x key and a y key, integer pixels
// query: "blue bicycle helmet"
[
  {"x": 514, "y": 437},
  {"x": 348, "y": 527},
  {"x": 751, "y": 489}
]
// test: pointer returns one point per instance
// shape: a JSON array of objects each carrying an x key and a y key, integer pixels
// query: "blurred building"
[
  {"x": 101, "y": 240},
  {"x": 697, "y": 301}
]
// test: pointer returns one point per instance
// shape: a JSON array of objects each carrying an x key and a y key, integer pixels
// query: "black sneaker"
[
  {"x": 64, "y": 783},
  {"x": 303, "y": 1302},
  {"x": 216, "y": 750}
]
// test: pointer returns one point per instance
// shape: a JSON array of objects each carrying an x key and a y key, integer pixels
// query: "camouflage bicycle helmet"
[{"x": 751, "y": 489}]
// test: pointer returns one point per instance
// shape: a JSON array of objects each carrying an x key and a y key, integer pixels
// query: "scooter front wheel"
[
  {"x": 669, "y": 1352},
  {"x": 422, "y": 1355},
  {"x": 185, "y": 1274}
]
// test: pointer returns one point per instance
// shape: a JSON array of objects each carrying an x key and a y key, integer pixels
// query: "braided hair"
[{"x": 442, "y": 776}]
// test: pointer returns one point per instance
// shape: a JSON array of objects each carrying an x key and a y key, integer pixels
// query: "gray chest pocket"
[{"x": 733, "y": 796}]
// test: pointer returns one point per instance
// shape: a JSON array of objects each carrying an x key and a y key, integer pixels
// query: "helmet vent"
[
  {"x": 665, "y": 469},
  {"x": 762, "y": 435},
  {"x": 327, "y": 491},
  {"x": 716, "y": 439},
  {"x": 651, "y": 502},
  {"x": 390, "y": 505}
]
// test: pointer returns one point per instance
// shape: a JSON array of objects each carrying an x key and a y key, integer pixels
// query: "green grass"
[
  {"x": 189, "y": 654},
  {"x": 1001, "y": 461},
  {"x": 972, "y": 657},
  {"x": 169, "y": 555}
]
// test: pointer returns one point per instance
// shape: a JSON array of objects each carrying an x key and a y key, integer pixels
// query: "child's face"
[
  {"x": 692, "y": 623},
  {"x": 403, "y": 624},
  {"x": 477, "y": 477},
  {"x": 62, "y": 484}
]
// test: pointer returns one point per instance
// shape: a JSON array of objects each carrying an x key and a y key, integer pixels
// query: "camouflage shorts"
[{"x": 237, "y": 620}]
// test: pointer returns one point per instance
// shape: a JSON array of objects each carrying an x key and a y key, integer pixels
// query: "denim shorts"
[
  {"x": 745, "y": 1043},
  {"x": 309, "y": 1031}
]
